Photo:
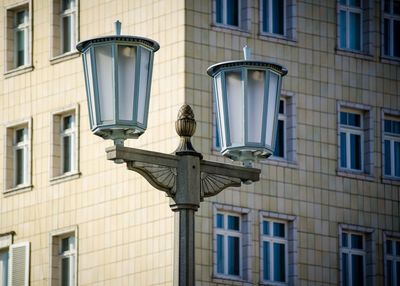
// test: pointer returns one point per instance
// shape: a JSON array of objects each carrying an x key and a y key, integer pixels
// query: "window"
[
  {"x": 64, "y": 26},
  {"x": 232, "y": 14},
  {"x": 18, "y": 33},
  {"x": 391, "y": 147},
  {"x": 18, "y": 157},
  {"x": 392, "y": 261},
  {"x": 350, "y": 24},
  {"x": 274, "y": 251},
  {"x": 280, "y": 142},
  {"x": 391, "y": 28},
  {"x": 3, "y": 267},
  {"x": 351, "y": 138},
  {"x": 231, "y": 243},
  {"x": 357, "y": 264},
  {"x": 273, "y": 16},
  {"x": 63, "y": 259},
  {"x": 64, "y": 147}
]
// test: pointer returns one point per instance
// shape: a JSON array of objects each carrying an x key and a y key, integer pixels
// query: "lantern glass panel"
[
  {"x": 255, "y": 103},
  {"x": 271, "y": 109},
  {"x": 218, "y": 88},
  {"x": 126, "y": 81},
  {"x": 144, "y": 74},
  {"x": 105, "y": 82},
  {"x": 90, "y": 86},
  {"x": 234, "y": 90}
]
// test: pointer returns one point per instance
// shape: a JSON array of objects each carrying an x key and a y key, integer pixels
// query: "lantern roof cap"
[
  {"x": 151, "y": 44},
  {"x": 214, "y": 69}
]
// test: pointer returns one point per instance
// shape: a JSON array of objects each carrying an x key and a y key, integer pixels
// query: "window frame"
[
  {"x": 224, "y": 23},
  {"x": 69, "y": 132},
  {"x": 394, "y": 237},
  {"x": 350, "y": 9},
  {"x": 391, "y": 17},
  {"x": 24, "y": 146},
  {"x": 283, "y": 117},
  {"x": 64, "y": 13},
  {"x": 392, "y": 138},
  {"x": 285, "y": 18},
  {"x": 23, "y": 27}
]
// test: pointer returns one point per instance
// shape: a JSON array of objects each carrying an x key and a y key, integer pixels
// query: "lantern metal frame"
[
  {"x": 249, "y": 151},
  {"x": 117, "y": 129}
]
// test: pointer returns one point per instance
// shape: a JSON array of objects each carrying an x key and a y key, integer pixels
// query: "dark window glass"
[
  {"x": 233, "y": 222},
  {"x": 233, "y": 12},
  {"x": 19, "y": 135},
  {"x": 343, "y": 154},
  {"x": 67, "y": 146},
  {"x": 277, "y": 17},
  {"x": 280, "y": 140},
  {"x": 396, "y": 127},
  {"x": 67, "y": 4},
  {"x": 357, "y": 241},
  {"x": 266, "y": 262},
  {"x": 398, "y": 248},
  {"x": 20, "y": 48},
  {"x": 343, "y": 2},
  {"x": 345, "y": 269},
  {"x": 343, "y": 117},
  {"x": 279, "y": 262},
  {"x": 67, "y": 32},
  {"x": 20, "y": 17},
  {"x": 357, "y": 269},
  {"x": 282, "y": 107},
  {"x": 397, "y": 159},
  {"x": 387, "y": 6},
  {"x": 355, "y": 151},
  {"x": 65, "y": 244},
  {"x": 67, "y": 122},
  {"x": 265, "y": 14},
  {"x": 266, "y": 227},
  {"x": 220, "y": 253},
  {"x": 386, "y": 37},
  {"x": 396, "y": 38},
  {"x": 219, "y": 11},
  {"x": 343, "y": 24},
  {"x": 389, "y": 247},
  {"x": 396, "y": 7},
  {"x": 279, "y": 229},
  {"x": 354, "y": 119},
  {"x": 388, "y": 158},
  {"x": 388, "y": 125},
  {"x": 355, "y": 31},
  {"x": 355, "y": 3},
  {"x": 233, "y": 256},
  {"x": 345, "y": 240},
  {"x": 65, "y": 272},
  {"x": 20, "y": 154},
  {"x": 398, "y": 273},
  {"x": 389, "y": 273},
  {"x": 220, "y": 220}
]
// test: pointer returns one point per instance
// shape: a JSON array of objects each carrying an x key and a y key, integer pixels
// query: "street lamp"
[{"x": 184, "y": 176}]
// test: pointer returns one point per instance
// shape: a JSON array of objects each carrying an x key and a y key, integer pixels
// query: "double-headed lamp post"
[{"x": 118, "y": 73}]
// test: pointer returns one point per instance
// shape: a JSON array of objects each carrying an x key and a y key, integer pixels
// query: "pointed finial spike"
[
  {"x": 118, "y": 28},
  {"x": 247, "y": 52}
]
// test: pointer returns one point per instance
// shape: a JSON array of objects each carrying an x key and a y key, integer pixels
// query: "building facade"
[{"x": 326, "y": 210}]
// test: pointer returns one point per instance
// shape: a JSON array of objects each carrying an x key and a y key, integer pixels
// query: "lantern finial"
[
  {"x": 185, "y": 126},
  {"x": 247, "y": 52},
  {"x": 118, "y": 28}
]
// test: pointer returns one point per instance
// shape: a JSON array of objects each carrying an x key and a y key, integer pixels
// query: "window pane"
[
  {"x": 219, "y": 11},
  {"x": 233, "y": 222},
  {"x": 266, "y": 262},
  {"x": 398, "y": 249},
  {"x": 67, "y": 122},
  {"x": 395, "y": 127},
  {"x": 234, "y": 89},
  {"x": 279, "y": 229},
  {"x": 389, "y": 247},
  {"x": 67, "y": 154},
  {"x": 19, "y": 135},
  {"x": 343, "y": 153},
  {"x": 343, "y": 25},
  {"x": 398, "y": 273},
  {"x": 343, "y": 117},
  {"x": 354, "y": 119},
  {"x": 388, "y": 158},
  {"x": 66, "y": 34},
  {"x": 277, "y": 16},
  {"x": 279, "y": 262},
  {"x": 220, "y": 253},
  {"x": 266, "y": 16},
  {"x": 20, "y": 17},
  {"x": 345, "y": 240},
  {"x": 4, "y": 268},
  {"x": 20, "y": 61},
  {"x": 255, "y": 104},
  {"x": 355, "y": 3},
  {"x": 396, "y": 7},
  {"x": 387, "y": 6},
  {"x": 388, "y": 125},
  {"x": 345, "y": 269},
  {"x": 386, "y": 37},
  {"x": 65, "y": 272},
  {"x": 357, "y": 241},
  {"x": 355, "y": 31},
  {"x": 233, "y": 255},
  {"x": 67, "y": 4},
  {"x": 357, "y": 269},
  {"x": 233, "y": 12},
  {"x": 397, "y": 158},
  {"x": 355, "y": 151},
  {"x": 282, "y": 107},
  {"x": 65, "y": 244},
  {"x": 220, "y": 220},
  {"x": 280, "y": 141},
  {"x": 266, "y": 227},
  {"x": 19, "y": 168},
  {"x": 343, "y": 2},
  {"x": 396, "y": 38},
  {"x": 389, "y": 272}
]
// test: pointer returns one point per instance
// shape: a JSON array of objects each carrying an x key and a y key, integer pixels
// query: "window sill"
[
  {"x": 390, "y": 60},
  {"x": 356, "y": 54},
  {"x": 232, "y": 280},
  {"x": 391, "y": 180},
  {"x": 355, "y": 175},
  {"x": 277, "y": 39},
  {"x": 65, "y": 177},
  {"x": 64, "y": 57},
  {"x": 275, "y": 161},
  {"x": 273, "y": 283},
  {"x": 18, "y": 190},
  {"x": 18, "y": 71},
  {"x": 226, "y": 28}
]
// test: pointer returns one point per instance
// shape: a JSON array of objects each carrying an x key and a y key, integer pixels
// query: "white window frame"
[
  {"x": 70, "y": 132},
  {"x": 350, "y": 251},
  {"x": 70, "y": 255},
  {"x": 273, "y": 239},
  {"x": 21, "y": 145},
  {"x": 348, "y": 129},
  {"x": 71, "y": 12},
  {"x": 23, "y": 27},
  {"x": 391, "y": 17},
  {"x": 225, "y": 14},
  {"x": 392, "y": 138},
  {"x": 229, "y": 233},
  {"x": 349, "y": 9},
  {"x": 283, "y": 117},
  {"x": 270, "y": 18}
]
